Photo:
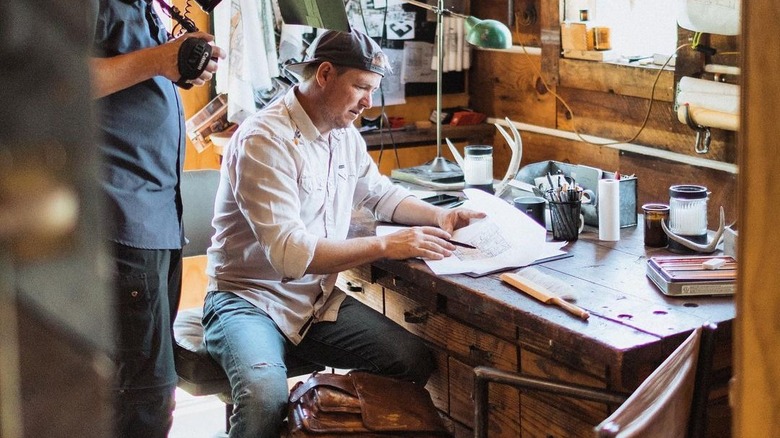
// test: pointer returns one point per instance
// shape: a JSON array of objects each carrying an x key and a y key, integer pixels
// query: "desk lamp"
[{"x": 486, "y": 34}]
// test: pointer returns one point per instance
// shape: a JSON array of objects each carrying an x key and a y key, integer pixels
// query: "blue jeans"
[
  {"x": 148, "y": 286},
  {"x": 251, "y": 349}
]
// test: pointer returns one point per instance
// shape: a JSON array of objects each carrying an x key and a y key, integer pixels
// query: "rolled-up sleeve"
[{"x": 265, "y": 186}]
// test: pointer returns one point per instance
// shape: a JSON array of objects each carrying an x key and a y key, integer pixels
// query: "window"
[{"x": 638, "y": 27}]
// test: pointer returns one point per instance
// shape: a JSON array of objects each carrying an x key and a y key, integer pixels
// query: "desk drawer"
[
  {"x": 547, "y": 405},
  {"x": 503, "y": 401},
  {"x": 467, "y": 343},
  {"x": 354, "y": 283}
]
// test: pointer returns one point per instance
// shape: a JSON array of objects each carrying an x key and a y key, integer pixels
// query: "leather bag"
[{"x": 361, "y": 404}]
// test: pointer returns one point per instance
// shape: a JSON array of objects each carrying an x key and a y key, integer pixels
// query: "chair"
[
  {"x": 199, "y": 374},
  {"x": 671, "y": 402}
]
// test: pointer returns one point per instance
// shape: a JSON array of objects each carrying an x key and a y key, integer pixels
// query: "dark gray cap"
[{"x": 350, "y": 49}]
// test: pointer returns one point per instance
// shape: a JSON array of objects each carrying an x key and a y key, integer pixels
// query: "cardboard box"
[{"x": 574, "y": 36}]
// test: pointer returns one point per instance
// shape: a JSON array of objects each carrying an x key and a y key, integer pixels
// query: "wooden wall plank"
[
  {"x": 620, "y": 118},
  {"x": 656, "y": 176},
  {"x": 506, "y": 84},
  {"x": 617, "y": 79}
]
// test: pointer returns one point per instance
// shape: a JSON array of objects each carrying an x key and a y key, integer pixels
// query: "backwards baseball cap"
[{"x": 350, "y": 49}]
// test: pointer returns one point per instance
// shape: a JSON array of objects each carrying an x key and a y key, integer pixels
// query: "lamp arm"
[{"x": 434, "y": 9}]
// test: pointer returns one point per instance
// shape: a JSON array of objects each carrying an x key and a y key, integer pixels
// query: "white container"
[
  {"x": 688, "y": 210},
  {"x": 478, "y": 167}
]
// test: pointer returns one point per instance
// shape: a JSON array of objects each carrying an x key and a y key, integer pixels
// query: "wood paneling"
[
  {"x": 509, "y": 85},
  {"x": 757, "y": 394},
  {"x": 624, "y": 80}
]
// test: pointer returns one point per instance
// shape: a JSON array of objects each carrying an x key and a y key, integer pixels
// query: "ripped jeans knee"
[{"x": 260, "y": 401}]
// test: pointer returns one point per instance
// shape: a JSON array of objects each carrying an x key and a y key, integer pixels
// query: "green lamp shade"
[{"x": 488, "y": 34}]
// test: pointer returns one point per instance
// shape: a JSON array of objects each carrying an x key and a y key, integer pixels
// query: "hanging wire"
[{"x": 573, "y": 119}]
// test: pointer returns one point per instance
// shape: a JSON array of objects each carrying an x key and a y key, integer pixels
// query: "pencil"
[
  {"x": 453, "y": 205},
  {"x": 464, "y": 245}
]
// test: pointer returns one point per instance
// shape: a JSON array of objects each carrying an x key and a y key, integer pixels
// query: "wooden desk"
[{"x": 474, "y": 321}]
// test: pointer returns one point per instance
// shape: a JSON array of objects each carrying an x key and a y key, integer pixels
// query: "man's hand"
[
  {"x": 115, "y": 73},
  {"x": 211, "y": 67},
  {"x": 451, "y": 220},
  {"x": 426, "y": 242}
]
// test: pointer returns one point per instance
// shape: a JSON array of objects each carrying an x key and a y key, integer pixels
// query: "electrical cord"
[{"x": 573, "y": 118}]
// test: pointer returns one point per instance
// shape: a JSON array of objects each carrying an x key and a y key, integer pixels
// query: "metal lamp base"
[{"x": 441, "y": 164}]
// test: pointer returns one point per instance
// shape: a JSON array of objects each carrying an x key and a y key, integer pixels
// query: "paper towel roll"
[
  {"x": 609, "y": 209},
  {"x": 713, "y": 104},
  {"x": 696, "y": 85},
  {"x": 710, "y": 101},
  {"x": 701, "y": 93}
]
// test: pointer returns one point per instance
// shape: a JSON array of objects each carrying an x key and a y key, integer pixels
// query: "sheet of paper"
[
  {"x": 416, "y": 66},
  {"x": 506, "y": 238}
]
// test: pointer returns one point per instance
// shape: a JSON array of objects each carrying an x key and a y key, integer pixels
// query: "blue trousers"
[
  {"x": 148, "y": 287},
  {"x": 251, "y": 349}
]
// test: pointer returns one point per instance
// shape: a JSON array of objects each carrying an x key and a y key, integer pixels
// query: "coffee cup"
[{"x": 532, "y": 206}]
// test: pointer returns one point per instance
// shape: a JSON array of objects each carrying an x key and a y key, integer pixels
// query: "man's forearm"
[
  {"x": 335, "y": 256},
  {"x": 412, "y": 211},
  {"x": 116, "y": 73}
]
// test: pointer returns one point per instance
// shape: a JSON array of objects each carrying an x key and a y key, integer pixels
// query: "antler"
[
  {"x": 516, "y": 145},
  {"x": 698, "y": 247},
  {"x": 455, "y": 154}
]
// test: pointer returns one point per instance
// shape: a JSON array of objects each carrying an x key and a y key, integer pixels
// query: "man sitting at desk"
[{"x": 291, "y": 176}]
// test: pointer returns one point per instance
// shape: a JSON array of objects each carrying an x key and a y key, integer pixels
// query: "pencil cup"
[{"x": 567, "y": 222}]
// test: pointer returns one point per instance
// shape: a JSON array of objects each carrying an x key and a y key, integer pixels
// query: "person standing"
[
  {"x": 291, "y": 176},
  {"x": 142, "y": 141}
]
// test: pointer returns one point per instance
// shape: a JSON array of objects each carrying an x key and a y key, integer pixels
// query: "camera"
[{"x": 207, "y": 5}]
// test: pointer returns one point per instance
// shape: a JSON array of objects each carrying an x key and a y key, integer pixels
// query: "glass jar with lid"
[
  {"x": 478, "y": 167},
  {"x": 688, "y": 213}
]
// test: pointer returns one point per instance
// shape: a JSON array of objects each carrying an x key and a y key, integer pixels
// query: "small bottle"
[
  {"x": 655, "y": 237},
  {"x": 478, "y": 167}
]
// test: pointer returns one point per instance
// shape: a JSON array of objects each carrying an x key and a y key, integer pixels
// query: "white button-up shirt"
[{"x": 283, "y": 187}]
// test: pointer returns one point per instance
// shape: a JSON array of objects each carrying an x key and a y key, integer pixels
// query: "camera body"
[{"x": 207, "y": 5}]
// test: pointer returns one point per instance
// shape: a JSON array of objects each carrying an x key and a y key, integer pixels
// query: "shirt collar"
[
  {"x": 303, "y": 122},
  {"x": 300, "y": 119}
]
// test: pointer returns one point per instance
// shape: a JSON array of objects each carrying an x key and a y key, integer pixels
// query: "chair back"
[
  {"x": 198, "y": 191},
  {"x": 671, "y": 402}
]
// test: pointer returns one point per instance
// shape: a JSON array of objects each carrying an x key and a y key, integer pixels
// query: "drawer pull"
[
  {"x": 417, "y": 315},
  {"x": 354, "y": 286}
]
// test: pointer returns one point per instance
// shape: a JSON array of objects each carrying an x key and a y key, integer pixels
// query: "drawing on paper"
[{"x": 489, "y": 242}]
